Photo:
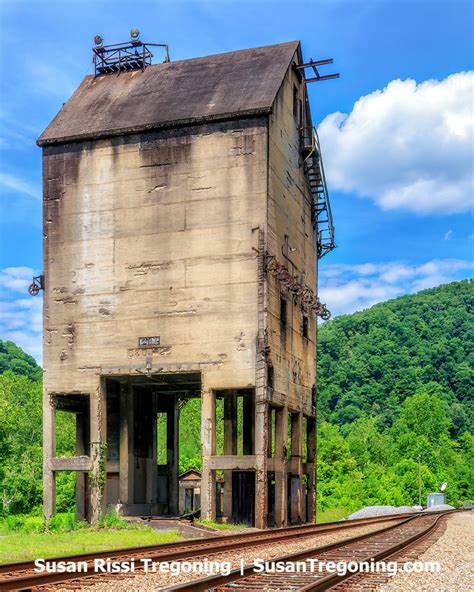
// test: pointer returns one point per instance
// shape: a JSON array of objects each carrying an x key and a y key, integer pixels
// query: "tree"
[{"x": 424, "y": 415}]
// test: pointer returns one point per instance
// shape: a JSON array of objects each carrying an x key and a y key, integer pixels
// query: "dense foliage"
[
  {"x": 395, "y": 381},
  {"x": 21, "y": 456},
  {"x": 15, "y": 359}
]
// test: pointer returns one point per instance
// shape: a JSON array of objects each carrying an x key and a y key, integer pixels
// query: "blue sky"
[{"x": 396, "y": 128}]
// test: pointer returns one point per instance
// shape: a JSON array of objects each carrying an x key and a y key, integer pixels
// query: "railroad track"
[
  {"x": 22, "y": 575},
  {"x": 375, "y": 546}
]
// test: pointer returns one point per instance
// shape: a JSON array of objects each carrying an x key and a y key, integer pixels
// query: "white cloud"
[
  {"x": 16, "y": 279},
  {"x": 448, "y": 235},
  {"x": 348, "y": 288},
  {"x": 20, "y": 317},
  {"x": 11, "y": 182},
  {"x": 407, "y": 147}
]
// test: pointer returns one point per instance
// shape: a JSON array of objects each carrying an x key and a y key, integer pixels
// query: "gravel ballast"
[
  {"x": 372, "y": 511},
  {"x": 156, "y": 581},
  {"x": 439, "y": 508},
  {"x": 454, "y": 550}
]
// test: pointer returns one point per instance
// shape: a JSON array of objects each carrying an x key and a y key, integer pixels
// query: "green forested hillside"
[
  {"x": 15, "y": 359},
  {"x": 396, "y": 381},
  {"x": 370, "y": 361}
]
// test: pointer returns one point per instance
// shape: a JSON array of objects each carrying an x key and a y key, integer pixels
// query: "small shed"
[
  {"x": 435, "y": 499},
  {"x": 189, "y": 491}
]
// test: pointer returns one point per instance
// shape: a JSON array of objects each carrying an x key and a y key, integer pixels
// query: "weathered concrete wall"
[
  {"x": 292, "y": 240},
  {"x": 154, "y": 235}
]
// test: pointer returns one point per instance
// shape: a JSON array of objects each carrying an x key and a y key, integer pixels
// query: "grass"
[
  {"x": 60, "y": 522},
  {"x": 21, "y": 546},
  {"x": 27, "y": 537},
  {"x": 220, "y": 526},
  {"x": 27, "y": 524},
  {"x": 331, "y": 515}
]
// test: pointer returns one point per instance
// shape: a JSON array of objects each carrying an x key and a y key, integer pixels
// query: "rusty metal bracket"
[
  {"x": 314, "y": 66},
  {"x": 36, "y": 285},
  {"x": 309, "y": 301}
]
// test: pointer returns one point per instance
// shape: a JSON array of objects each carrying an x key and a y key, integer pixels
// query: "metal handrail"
[
  {"x": 131, "y": 55},
  {"x": 313, "y": 160},
  {"x": 330, "y": 223}
]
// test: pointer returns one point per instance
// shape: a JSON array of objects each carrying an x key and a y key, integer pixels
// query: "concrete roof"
[{"x": 216, "y": 87}]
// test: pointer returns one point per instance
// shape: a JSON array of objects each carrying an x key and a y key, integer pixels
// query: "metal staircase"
[{"x": 321, "y": 207}]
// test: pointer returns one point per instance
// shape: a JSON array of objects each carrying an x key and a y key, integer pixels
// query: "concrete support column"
[
  {"x": 230, "y": 445},
  {"x": 281, "y": 473},
  {"x": 152, "y": 483},
  {"x": 126, "y": 424},
  {"x": 260, "y": 427},
  {"x": 296, "y": 463},
  {"x": 208, "y": 438},
  {"x": 49, "y": 451},
  {"x": 230, "y": 422},
  {"x": 80, "y": 476},
  {"x": 270, "y": 432},
  {"x": 172, "y": 455},
  {"x": 310, "y": 467},
  {"x": 261, "y": 482},
  {"x": 97, "y": 474},
  {"x": 297, "y": 440},
  {"x": 129, "y": 436}
]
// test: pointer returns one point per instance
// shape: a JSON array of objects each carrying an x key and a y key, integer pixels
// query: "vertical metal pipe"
[{"x": 419, "y": 479}]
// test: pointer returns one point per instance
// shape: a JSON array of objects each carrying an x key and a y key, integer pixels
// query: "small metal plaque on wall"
[{"x": 148, "y": 341}]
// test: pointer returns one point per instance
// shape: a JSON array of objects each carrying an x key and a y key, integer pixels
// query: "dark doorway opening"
[
  {"x": 220, "y": 485},
  {"x": 306, "y": 498},
  {"x": 293, "y": 499},
  {"x": 188, "y": 500},
  {"x": 243, "y": 497},
  {"x": 271, "y": 499}
]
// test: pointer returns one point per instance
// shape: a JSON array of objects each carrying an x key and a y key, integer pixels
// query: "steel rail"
[
  {"x": 177, "y": 550},
  {"x": 324, "y": 582},
  {"x": 213, "y": 582},
  {"x": 321, "y": 527},
  {"x": 334, "y": 579}
]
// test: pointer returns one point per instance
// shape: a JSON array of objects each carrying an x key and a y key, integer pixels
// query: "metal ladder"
[{"x": 320, "y": 205}]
